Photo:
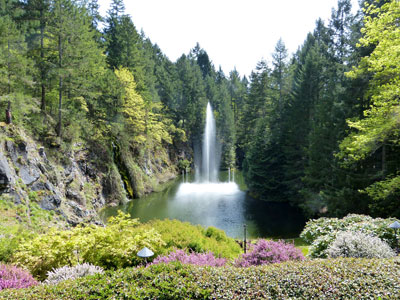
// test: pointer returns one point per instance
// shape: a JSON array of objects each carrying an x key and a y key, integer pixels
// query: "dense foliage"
[
  {"x": 64, "y": 273},
  {"x": 320, "y": 130},
  {"x": 21, "y": 223},
  {"x": 113, "y": 246},
  {"x": 193, "y": 258},
  {"x": 376, "y": 134},
  {"x": 12, "y": 277},
  {"x": 319, "y": 279},
  {"x": 317, "y": 129},
  {"x": 183, "y": 235},
  {"x": 269, "y": 252},
  {"x": 357, "y": 244},
  {"x": 116, "y": 245},
  {"x": 321, "y": 233}
]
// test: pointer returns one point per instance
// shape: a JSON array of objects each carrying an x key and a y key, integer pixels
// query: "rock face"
[
  {"x": 5, "y": 173},
  {"x": 50, "y": 202},
  {"x": 77, "y": 183},
  {"x": 73, "y": 188}
]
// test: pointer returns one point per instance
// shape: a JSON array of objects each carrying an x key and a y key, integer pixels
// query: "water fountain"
[
  {"x": 207, "y": 200},
  {"x": 210, "y": 202},
  {"x": 206, "y": 176},
  {"x": 209, "y": 171}
]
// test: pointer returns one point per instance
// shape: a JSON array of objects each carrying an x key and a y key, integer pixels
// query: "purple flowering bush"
[
  {"x": 269, "y": 252},
  {"x": 199, "y": 259},
  {"x": 12, "y": 277}
]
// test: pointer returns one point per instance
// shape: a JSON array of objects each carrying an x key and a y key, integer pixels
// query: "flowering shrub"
[
  {"x": 357, "y": 244},
  {"x": 199, "y": 259},
  {"x": 269, "y": 252},
  {"x": 16, "y": 278},
  {"x": 67, "y": 272},
  {"x": 321, "y": 233}
]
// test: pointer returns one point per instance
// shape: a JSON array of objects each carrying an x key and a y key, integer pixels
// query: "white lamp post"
[
  {"x": 145, "y": 253},
  {"x": 395, "y": 225}
]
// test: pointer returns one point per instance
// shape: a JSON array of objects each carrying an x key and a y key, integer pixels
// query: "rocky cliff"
[{"x": 73, "y": 183}]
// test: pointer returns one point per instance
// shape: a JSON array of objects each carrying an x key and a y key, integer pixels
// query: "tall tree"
[
  {"x": 77, "y": 56},
  {"x": 279, "y": 72},
  {"x": 126, "y": 48},
  {"x": 264, "y": 162},
  {"x": 377, "y": 132},
  {"x": 37, "y": 14},
  {"x": 13, "y": 62}
]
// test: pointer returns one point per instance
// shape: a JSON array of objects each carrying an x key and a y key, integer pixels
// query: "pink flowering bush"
[
  {"x": 199, "y": 259},
  {"x": 12, "y": 277},
  {"x": 269, "y": 252}
]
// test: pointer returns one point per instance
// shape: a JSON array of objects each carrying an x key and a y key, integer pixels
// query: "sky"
[{"x": 234, "y": 33}]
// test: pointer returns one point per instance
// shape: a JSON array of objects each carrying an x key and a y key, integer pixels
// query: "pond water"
[{"x": 224, "y": 205}]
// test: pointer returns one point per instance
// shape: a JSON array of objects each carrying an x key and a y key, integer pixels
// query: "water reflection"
[{"x": 222, "y": 205}]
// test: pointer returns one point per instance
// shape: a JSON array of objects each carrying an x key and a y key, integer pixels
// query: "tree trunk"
[
  {"x": 8, "y": 113},
  {"x": 42, "y": 71},
  {"x": 8, "y": 110},
  {"x": 59, "y": 106},
  {"x": 383, "y": 161},
  {"x": 60, "y": 86}
]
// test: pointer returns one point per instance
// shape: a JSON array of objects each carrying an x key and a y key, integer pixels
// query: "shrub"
[
  {"x": 14, "y": 231},
  {"x": 162, "y": 281},
  {"x": 110, "y": 247},
  {"x": 199, "y": 259},
  {"x": 342, "y": 278},
  {"x": 67, "y": 272},
  {"x": 10, "y": 238},
  {"x": 183, "y": 235},
  {"x": 12, "y": 277},
  {"x": 320, "y": 233},
  {"x": 357, "y": 244},
  {"x": 269, "y": 252}
]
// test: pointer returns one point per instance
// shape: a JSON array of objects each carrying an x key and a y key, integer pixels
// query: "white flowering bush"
[
  {"x": 358, "y": 244},
  {"x": 67, "y": 272},
  {"x": 320, "y": 233}
]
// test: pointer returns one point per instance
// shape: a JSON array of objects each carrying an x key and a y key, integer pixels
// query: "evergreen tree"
[
  {"x": 37, "y": 14},
  {"x": 192, "y": 98},
  {"x": 13, "y": 61},
  {"x": 264, "y": 162},
  {"x": 77, "y": 58},
  {"x": 125, "y": 48}
]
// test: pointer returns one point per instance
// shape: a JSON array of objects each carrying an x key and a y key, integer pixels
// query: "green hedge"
[{"x": 316, "y": 279}]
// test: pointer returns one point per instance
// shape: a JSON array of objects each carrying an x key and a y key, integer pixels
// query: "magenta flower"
[
  {"x": 12, "y": 277},
  {"x": 199, "y": 259},
  {"x": 269, "y": 252}
]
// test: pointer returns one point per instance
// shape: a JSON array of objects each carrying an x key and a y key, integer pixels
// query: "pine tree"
[
  {"x": 13, "y": 62},
  {"x": 37, "y": 14},
  {"x": 77, "y": 57}
]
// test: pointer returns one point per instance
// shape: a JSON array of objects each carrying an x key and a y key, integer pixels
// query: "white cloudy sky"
[{"x": 235, "y": 33}]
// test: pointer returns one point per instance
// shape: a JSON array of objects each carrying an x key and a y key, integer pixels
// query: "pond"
[{"x": 225, "y": 205}]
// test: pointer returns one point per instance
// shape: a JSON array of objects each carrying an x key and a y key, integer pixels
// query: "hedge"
[{"x": 343, "y": 278}]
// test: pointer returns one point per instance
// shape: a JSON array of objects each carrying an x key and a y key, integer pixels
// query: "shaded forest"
[{"x": 318, "y": 129}]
